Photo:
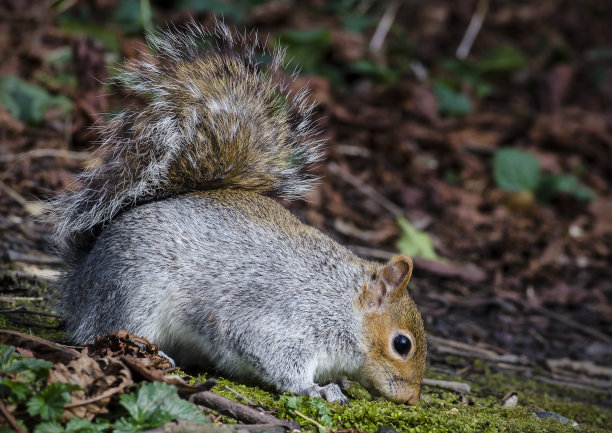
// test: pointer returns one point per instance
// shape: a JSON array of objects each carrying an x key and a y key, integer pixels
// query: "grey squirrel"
[{"x": 173, "y": 236}]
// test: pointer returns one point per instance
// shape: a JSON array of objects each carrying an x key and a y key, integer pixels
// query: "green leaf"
[
  {"x": 39, "y": 367},
  {"x": 107, "y": 36},
  {"x": 292, "y": 402},
  {"x": 514, "y": 170},
  {"x": 552, "y": 185},
  {"x": 153, "y": 405},
  {"x": 468, "y": 73},
  {"x": 306, "y": 48},
  {"x": 128, "y": 425},
  {"x": 368, "y": 68},
  {"x": 413, "y": 242},
  {"x": 233, "y": 11},
  {"x": 322, "y": 411},
  {"x": 315, "y": 408},
  {"x": 357, "y": 22},
  {"x": 17, "y": 391},
  {"x": 133, "y": 16},
  {"x": 28, "y": 102},
  {"x": 83, "y": 425},
  {"x": 50, "y": 403},
  {"x": 49, "y": 427},
  {"x": 504, "y": 58},
  {"x": 5, "y": 355},
  {"x": 451, "y": 102}
]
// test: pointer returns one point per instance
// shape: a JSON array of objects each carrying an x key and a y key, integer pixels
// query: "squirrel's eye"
[{"x": 402, "y": 344}]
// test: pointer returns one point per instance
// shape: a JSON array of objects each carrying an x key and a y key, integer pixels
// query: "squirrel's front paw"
[{"x": 329, "y": 392}]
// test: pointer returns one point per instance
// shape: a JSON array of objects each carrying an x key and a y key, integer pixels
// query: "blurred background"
[{"x": 473, "y": 135}]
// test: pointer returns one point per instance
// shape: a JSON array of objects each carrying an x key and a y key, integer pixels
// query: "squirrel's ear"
[
  {"x": 397, "y": 273},
  {"x": 389, "y": 284}
]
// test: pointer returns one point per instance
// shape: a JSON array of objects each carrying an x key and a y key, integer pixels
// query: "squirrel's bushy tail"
[{"x": 215, "y": 119}]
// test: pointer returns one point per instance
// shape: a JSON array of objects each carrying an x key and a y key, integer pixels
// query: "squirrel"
[{"x": 176, "y": 235}]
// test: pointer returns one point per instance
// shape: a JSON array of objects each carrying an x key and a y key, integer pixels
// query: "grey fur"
[{"x": 230, "y": 279}]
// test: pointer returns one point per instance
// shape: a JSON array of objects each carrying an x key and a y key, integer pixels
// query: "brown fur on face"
[{"x": 389, "y": 311}]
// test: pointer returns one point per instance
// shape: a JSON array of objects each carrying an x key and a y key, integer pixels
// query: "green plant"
[
  {"x": 313, "y": 410},
  {"x": 553, "y": 184},
  {"x": 450, "y": 101},
  {"x": 518, "y": 171},
  {"x": 413, "y": 242},
  {"x": 28, "y": 102},
  {"x": 134, "y": 16},
  {"x": 473, "y": 77},
  {"x": 152, "y": 405},
  {"x": 232, "y": 10},
  {"x": 305, "y": 48},
  {"x": 75, "y": 425},
  {"x": 23, "y": 384}
]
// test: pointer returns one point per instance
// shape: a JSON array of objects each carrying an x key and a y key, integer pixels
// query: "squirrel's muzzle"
[
  {"x": 414, "y": 398},
  {"x": 408, "y": 395}
]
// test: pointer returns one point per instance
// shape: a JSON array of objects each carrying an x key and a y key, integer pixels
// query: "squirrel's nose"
[
  {"x": 409, "y": 396},
  {"x": 413, "y": 399}
]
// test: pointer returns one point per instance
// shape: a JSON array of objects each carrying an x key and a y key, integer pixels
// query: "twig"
[
  {"x": 11, "y": 419},
  {"x": 182, "y": 426},
  {"x": 573, "y": 324},
  {"x": 571, "y": 385},
  {"x": 587, "y": 367},
  {"x": 384, "y": 25},
  {"x": 15, "y": 256},
  {"x": 13, "y": 299},
  {"x": 473, "y": 28},
  {"x": 34, "y": 273},
  {"x": 238, "y": 411},
  {"x": 259, "y": 427},
  {"x": 240, "y": 396},
  {"x": 597, "y": 383},
  {"x": 439, "y": 341},
  {"x": 365, "y": 189},
  {"x": 300, "y": 414},
  {"x": 459, "y": 387},
  {"x": 42, "y": 348},
  {"x": 13, "y": 194},
  {"x": 108, "y": 393},
  {"x": 23, "y": 309},
  {"x": 44, "y": 153},
  {"x": 507, "y": 358}
]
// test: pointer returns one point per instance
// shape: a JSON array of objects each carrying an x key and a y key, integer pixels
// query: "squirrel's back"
[
  {"x": 216, "y": 119},
  {"x": 204, "y": 262}
]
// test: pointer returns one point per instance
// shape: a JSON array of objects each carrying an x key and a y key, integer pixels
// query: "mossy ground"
[
  {"x": 442, "y": 412},
  {"x": 445, "y": 412}
]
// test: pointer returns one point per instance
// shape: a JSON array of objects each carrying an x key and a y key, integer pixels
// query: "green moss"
[
  {"x": 444, "y": 411},
  {"x": 257, "y": 395}
]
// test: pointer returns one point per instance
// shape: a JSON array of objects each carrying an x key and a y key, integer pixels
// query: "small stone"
[
  {"x": 453, "y": 411},
  {"x": 510, "y": 400}
]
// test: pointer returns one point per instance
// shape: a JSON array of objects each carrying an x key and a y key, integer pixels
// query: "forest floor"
[{"x": 493, "y": 171}]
